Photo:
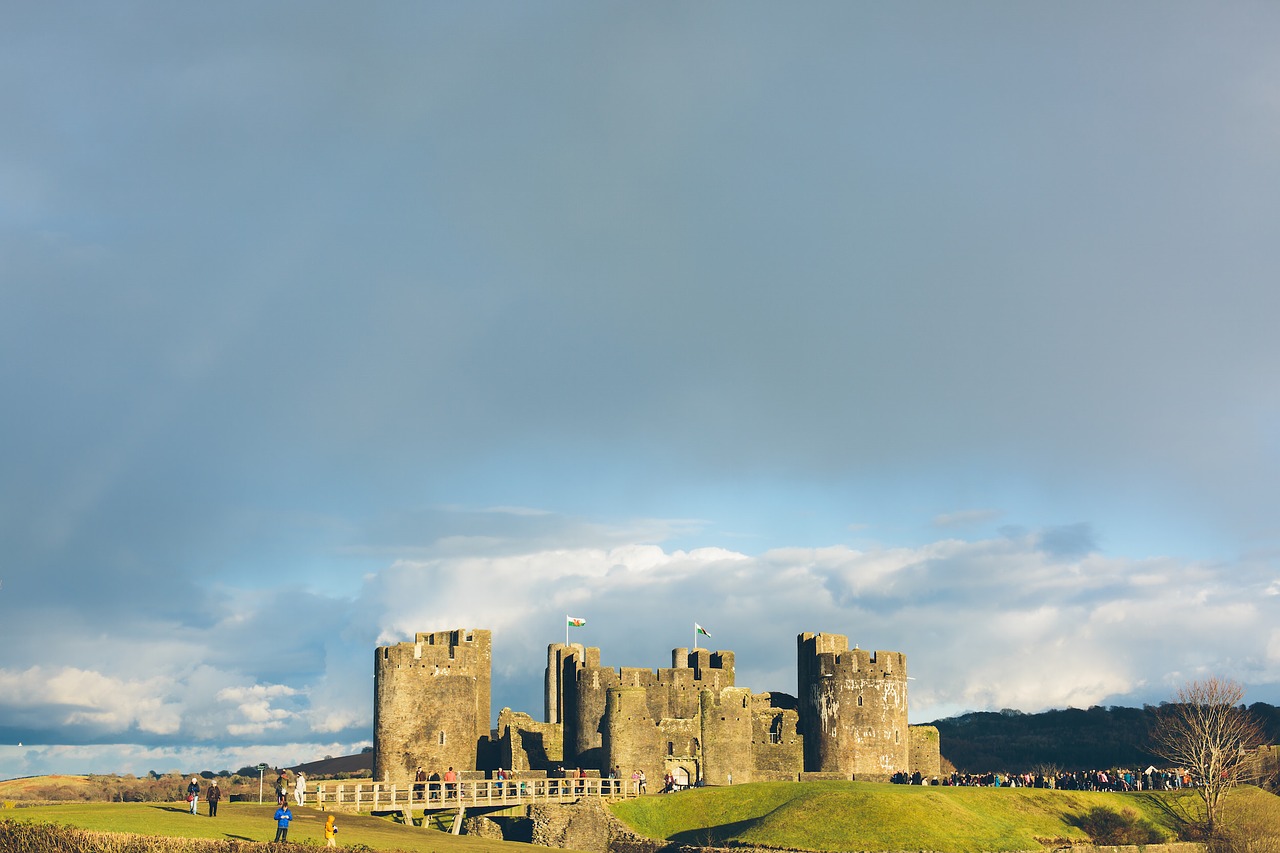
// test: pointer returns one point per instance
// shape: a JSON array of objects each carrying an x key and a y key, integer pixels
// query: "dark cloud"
[{"x": 1071, "y": 541}]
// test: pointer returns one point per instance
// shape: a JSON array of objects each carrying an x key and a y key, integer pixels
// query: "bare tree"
[{"x": 1208, "y": 732}]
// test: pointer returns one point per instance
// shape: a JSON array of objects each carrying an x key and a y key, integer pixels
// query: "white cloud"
[
  {"x": 78, "y": 697},
  {"x": 254, "y": 706}
]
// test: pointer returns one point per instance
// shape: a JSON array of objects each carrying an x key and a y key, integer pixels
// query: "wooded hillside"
[{"x": 1071, "y": 739}]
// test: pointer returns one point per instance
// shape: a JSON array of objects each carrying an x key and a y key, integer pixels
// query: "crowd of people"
[{"x": 1069, "y": 780}]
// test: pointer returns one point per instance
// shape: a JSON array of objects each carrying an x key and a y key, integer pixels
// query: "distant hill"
[
  {"x": 1071, "y": 739},
  {"x": 360, "y": 764}
]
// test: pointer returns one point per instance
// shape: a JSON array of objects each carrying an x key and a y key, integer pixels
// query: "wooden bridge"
[{"x": 463, "y": 794}]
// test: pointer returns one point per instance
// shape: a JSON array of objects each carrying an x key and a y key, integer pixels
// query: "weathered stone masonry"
[
  {"x": 431, "y": 703},
  {"x": 431, "y": 709}
]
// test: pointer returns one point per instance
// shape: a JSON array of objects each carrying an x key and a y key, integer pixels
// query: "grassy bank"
[{"x": 835, "y": 816}]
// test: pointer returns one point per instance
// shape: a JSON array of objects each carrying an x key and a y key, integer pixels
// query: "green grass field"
[
  {"x": 818, "y": 816},
  {"x": 253, "y": 822}
]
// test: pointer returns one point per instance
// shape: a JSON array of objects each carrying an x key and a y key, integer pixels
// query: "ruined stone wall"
[
  {"x": 925, "y": 755},
  {"x": 431, "y": 703},
  {"x": 525, "y": 744},
  {"x": 777, "y": 747},
  {"x": 482, "y": 827},
  {"x": 586, "y": 825},
  {"x": 682, "y": 752},
  {"x": 853, "y": 707}
]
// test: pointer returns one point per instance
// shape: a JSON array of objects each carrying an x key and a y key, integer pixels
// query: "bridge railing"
[{"x": 379, "y": 796}]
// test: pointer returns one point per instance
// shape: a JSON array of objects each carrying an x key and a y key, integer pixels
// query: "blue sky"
[{"x": 948, "y": 327}]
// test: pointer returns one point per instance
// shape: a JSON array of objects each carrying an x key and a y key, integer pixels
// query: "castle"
[{"x": 432, "y": 710}]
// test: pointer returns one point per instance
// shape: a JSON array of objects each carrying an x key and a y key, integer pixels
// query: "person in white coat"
[{"x": 300, "y": 788}]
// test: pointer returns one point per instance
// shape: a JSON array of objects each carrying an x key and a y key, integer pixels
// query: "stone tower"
[
  {"x": 431, "y": 703},
  {"x": 853, "y": 708}
]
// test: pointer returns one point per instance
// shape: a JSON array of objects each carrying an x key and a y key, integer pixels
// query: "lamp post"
[{"x": 261, "y": 768}]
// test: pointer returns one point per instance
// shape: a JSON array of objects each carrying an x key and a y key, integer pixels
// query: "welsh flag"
[
  {"x": 575, "y": 622},
  {"x": 698, "y": 629}
]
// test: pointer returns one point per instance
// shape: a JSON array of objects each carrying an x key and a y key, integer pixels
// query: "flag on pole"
[
  {"x": 698, "y": 629},
  {"x": 575, "y": 622}
]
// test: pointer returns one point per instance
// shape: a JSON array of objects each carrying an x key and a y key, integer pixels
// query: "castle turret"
[
  {"x": 557, "y": 656},
  {"x": 431, "y": 703},
  {"x": 853, "y": 707},
  {"x": 632, "y": 739}
]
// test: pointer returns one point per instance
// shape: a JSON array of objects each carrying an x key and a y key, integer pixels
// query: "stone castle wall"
[
  {"x": 777, "y": 747},
  {"x": 526, "y": 744},
  {"x": 727, "y": 720},
  {"x": 925, "y": 755}
]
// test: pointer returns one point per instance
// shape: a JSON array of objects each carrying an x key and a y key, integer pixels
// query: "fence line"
[{"x": 465, "y": 793}]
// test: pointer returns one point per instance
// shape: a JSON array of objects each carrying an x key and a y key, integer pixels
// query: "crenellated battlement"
[
  {"x": 829, "y": 655},
  {"x": 445, "y": 652},
  {"x": 860, "y": 663},
  {"x": 687, "y": 672}
]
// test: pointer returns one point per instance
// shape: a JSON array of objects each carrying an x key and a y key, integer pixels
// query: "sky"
[{"x": 949, "y": 327}]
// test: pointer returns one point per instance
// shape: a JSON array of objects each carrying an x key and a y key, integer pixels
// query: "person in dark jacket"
[{"x": 213, "y": 794}]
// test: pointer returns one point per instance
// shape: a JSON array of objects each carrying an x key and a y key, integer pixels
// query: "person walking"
[
  {"x": 213, "y": 794},
  {"x": 300, "y": 789},
  {"x": 193, "y": 794},
  {"x": 283, "y": 816},
  {"x": 330, "y": 830}
]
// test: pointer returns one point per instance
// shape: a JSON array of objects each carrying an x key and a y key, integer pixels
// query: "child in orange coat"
[{"x": 330, "y": 830}]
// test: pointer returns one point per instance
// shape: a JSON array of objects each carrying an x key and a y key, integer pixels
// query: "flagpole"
[{"x": 566, "y": 630}]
